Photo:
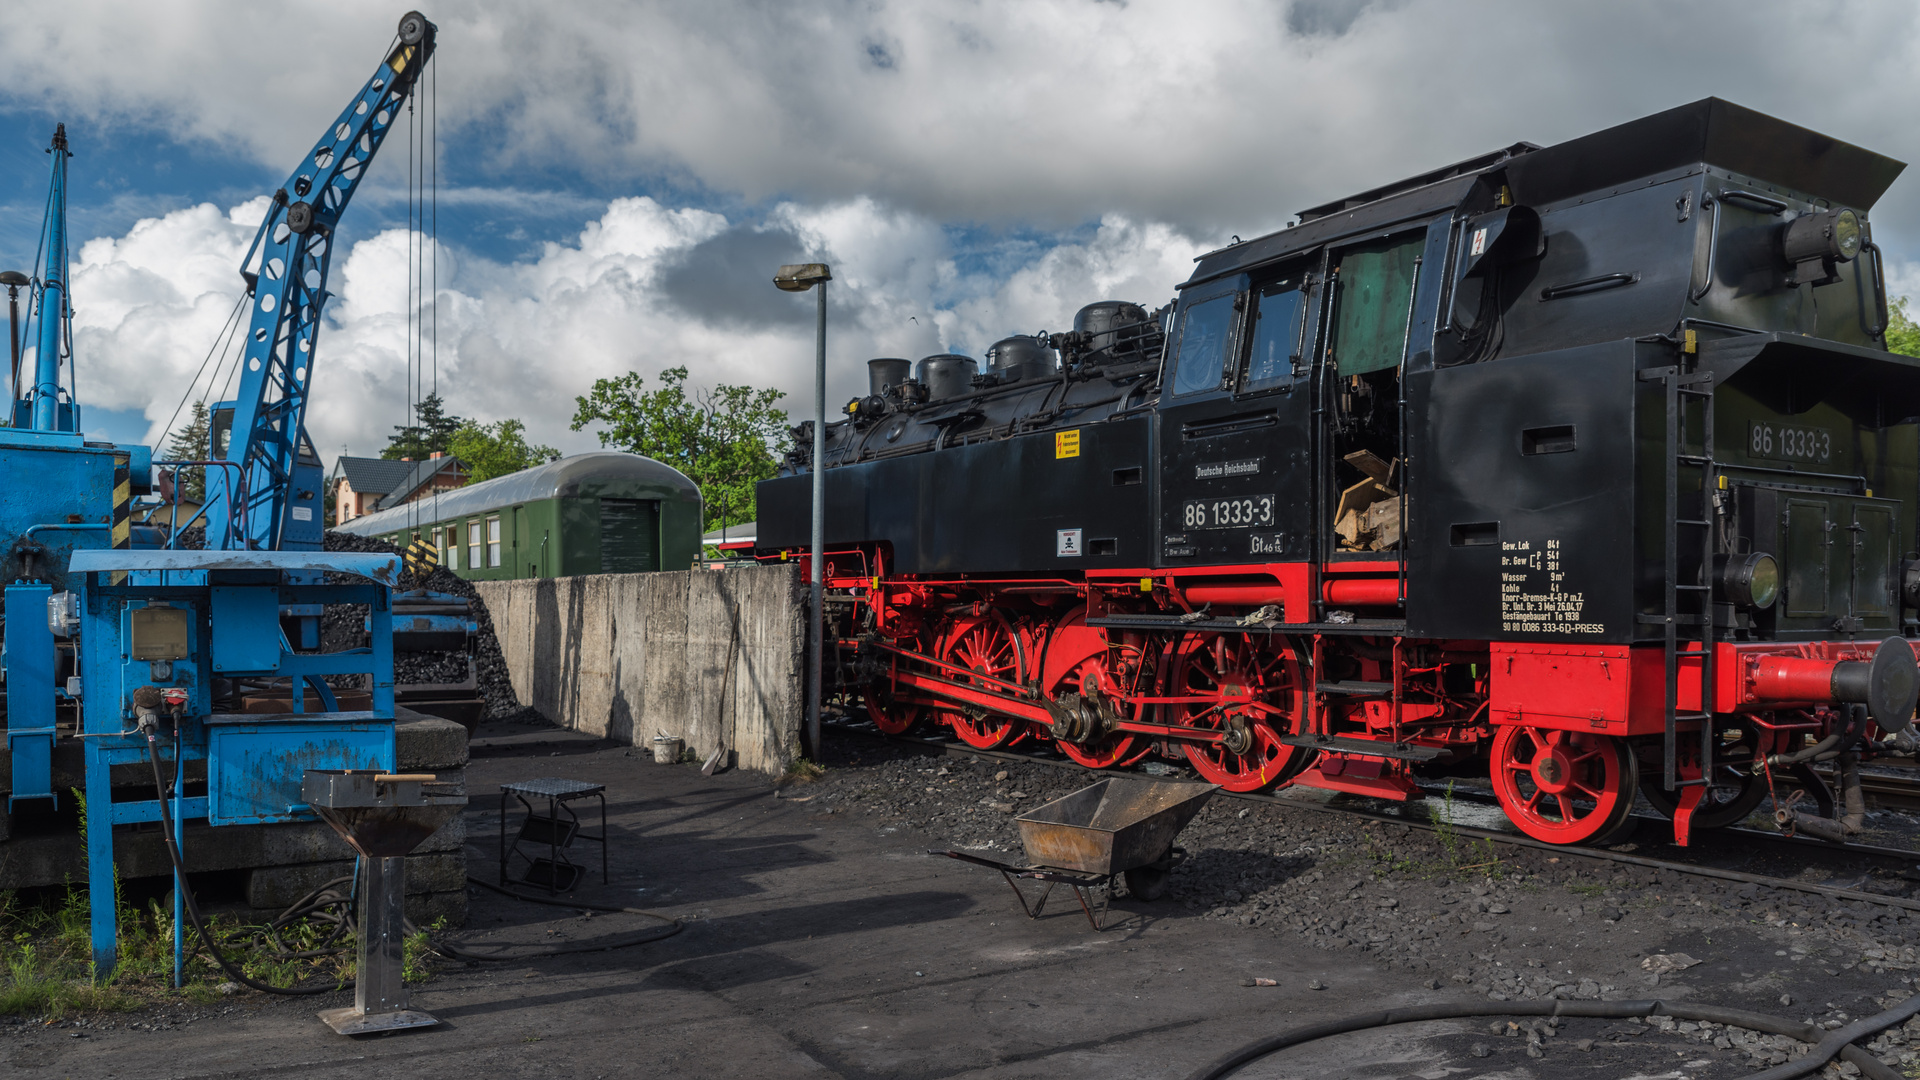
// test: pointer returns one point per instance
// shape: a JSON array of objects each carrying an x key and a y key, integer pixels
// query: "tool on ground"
[
  {"x": 382, "y": 816},
  {"x": 1119, "y": 827}
]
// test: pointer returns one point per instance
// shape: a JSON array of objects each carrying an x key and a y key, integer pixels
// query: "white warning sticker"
[
  {"x": 1066, "y": 542},
  {"x": 1479, "y": 242}
]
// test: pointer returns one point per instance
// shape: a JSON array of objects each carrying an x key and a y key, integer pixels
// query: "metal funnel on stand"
[{"x": 383, "y": 816}]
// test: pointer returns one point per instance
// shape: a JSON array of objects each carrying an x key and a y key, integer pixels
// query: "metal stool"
[{"x": 552, "y": 831}]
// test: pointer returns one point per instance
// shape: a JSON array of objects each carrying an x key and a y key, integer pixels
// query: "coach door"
[{"x": 1234, "y": 453}]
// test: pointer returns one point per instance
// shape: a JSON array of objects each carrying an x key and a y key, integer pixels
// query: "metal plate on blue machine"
[{"x": 255, "y": 764}]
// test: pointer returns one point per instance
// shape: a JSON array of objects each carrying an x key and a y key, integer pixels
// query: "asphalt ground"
[{"x": 821, "y": 940}]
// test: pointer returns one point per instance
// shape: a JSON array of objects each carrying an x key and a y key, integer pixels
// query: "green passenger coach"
[{"x": 599, "y": 513}]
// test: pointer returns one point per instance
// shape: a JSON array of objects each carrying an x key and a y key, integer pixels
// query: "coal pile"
[{"x": 344, "y": 627}]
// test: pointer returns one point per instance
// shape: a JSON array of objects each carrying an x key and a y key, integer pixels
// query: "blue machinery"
[{"x": 145, "y": 641}]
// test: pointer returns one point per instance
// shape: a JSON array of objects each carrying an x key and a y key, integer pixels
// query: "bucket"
[{"x": 667, "y": 748}]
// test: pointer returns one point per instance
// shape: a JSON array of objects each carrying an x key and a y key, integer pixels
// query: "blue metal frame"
[
  {"x": 254, "y": 763},
  {"x": 288, "y": 282}
]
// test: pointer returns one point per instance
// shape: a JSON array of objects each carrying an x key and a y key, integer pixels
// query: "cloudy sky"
[{"x": 617, "y": 182}]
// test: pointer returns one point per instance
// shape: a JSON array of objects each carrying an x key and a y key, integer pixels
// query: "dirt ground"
[{"x": 821, "y": 939}]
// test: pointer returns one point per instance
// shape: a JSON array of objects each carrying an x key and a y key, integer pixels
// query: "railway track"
[{"x": 1899, "y": 859}]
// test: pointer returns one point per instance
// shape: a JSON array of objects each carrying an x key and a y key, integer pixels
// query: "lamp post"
[{"x": 800, "y": 277}]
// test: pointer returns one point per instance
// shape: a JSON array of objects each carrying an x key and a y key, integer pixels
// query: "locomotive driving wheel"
[
  {"x": 986, "y": 645},
  {"x": 1079, "y": 667},
  {"x": 889, "y": 715},
  {"x": 1738, "y": 786},
  {"x": 1563, "y": 787},
  {"x": 1252, "y": 696}
]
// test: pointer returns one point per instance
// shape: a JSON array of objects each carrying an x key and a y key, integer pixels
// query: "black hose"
[
  {"x": 321, "y": 898},
  {"x": 1839, "y": 1043},
  {"x": 193, "y": 907}
]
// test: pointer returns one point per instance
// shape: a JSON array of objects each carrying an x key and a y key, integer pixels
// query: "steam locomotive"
[{"x": 1585, "y": 468}]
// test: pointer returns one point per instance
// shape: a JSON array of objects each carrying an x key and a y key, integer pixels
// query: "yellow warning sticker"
[{"x": 1066, "y": 444}]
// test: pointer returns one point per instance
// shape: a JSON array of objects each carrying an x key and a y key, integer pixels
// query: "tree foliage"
[
  {"x": 1903, "y": 334},
  {"x": 417, "y": 442},
  {"x": 490, "y": 450},
  {"x": 192, "y": 443},
  {"x": 721, "y": 439}
]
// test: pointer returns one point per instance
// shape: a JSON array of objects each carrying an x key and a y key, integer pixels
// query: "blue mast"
[{"x": 54, "y": 312}]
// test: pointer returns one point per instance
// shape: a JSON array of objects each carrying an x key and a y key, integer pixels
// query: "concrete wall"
[{"x": 712, "y": 656}]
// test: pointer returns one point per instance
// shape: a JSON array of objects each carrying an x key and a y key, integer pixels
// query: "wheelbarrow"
[{"x": 1119, "y": 827}]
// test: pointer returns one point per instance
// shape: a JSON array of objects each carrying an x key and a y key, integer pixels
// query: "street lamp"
[{"x": 799, "y": 277}]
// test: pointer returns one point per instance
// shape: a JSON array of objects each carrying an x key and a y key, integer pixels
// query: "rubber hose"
[
  {"x": 445, "y": 949},
  {"x": 1871, "y": 1067},
  {"x": 1806, "y": 753},
  {"x": 193, "y": 907},
  {"x": 673, "y": 927}
]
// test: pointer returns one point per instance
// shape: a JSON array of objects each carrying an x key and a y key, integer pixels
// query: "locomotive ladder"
[{"x": 1681, "y": 386}]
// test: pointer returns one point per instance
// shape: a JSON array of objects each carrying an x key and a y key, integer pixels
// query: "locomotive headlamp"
[
  {"x": 1813, "y": 244},
  {"x": 1751, "y": 580},
  {"x": 799, "y": 277}
]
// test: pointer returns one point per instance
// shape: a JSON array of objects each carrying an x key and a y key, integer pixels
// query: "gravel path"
[{"x": 1509, "y": 924}]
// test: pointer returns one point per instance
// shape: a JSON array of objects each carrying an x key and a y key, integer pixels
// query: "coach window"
[
  {"x": 450, "y": 542},
  {"x": 473, "y": 546},
  {"x": 1205, "y": 327},
  {"x": 493, "y": 543},
  {"x": 1276, "y": 336}
]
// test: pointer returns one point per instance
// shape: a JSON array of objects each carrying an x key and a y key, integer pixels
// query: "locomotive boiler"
[{"x": 1586, "y": 466}]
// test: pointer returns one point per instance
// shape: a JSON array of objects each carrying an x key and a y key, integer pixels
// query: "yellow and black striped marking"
[
  {"x": 122, "y": 508},
  {"x": 422, "y": 557}
]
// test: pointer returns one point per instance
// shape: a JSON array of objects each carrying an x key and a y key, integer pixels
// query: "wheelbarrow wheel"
[{"x": 1147, "y": 882}]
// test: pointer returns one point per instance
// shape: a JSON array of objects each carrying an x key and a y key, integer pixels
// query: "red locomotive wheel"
[
  {"x": 1076, "y": 662},
  {"x": 1563, "y": 787},
  {"x": 984, "y": 644},
  {"x": 1237, "y": 672},
  {"x": 891, "y": 716}
]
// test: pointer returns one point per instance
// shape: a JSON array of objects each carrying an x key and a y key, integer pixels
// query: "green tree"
[
  {"x": 721, "y": 439},
  {"x": 1903, "y": 334},
  {"x": 490, "y": 450},
  {"x": 417, "y": 442},
  {"x": 190, "y": 443}
]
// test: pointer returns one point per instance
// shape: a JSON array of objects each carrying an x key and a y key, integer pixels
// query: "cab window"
[
  {"x": 1204, "y": 329},
  {"x": 1276, "y": 336}
]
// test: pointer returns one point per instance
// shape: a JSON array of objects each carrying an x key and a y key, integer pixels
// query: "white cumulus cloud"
[{"x": 522, "y": 339}]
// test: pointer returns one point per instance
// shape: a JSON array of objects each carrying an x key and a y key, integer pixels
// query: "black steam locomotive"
[{"x": 1584, "y": 465}]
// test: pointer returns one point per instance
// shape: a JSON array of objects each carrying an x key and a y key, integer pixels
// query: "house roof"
[
  {"x": 419, "y": 475},
  {"x": 372, "y": 475}
]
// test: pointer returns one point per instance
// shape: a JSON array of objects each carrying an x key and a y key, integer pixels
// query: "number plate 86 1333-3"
[
  {"x": 1247, "y": 512},
  {"x": 1788, "y": 443}
]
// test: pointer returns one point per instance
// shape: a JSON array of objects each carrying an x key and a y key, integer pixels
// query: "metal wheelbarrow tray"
[{"x": 1119, "y": 826}]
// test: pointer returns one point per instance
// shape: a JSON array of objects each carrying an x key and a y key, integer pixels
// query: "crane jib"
[{"x": 286, "y": 272}]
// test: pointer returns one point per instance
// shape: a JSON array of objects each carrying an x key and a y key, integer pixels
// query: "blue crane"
[{"x": 286, "y": 274}]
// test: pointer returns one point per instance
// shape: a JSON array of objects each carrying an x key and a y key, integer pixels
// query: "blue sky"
[{"x": 617, "y": 184}]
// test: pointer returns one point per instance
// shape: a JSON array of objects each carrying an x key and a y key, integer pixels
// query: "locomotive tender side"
[{"x": 1585, "y": 465}]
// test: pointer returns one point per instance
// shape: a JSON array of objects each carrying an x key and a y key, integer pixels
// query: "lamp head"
[{"x": 799, "y": 277}]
